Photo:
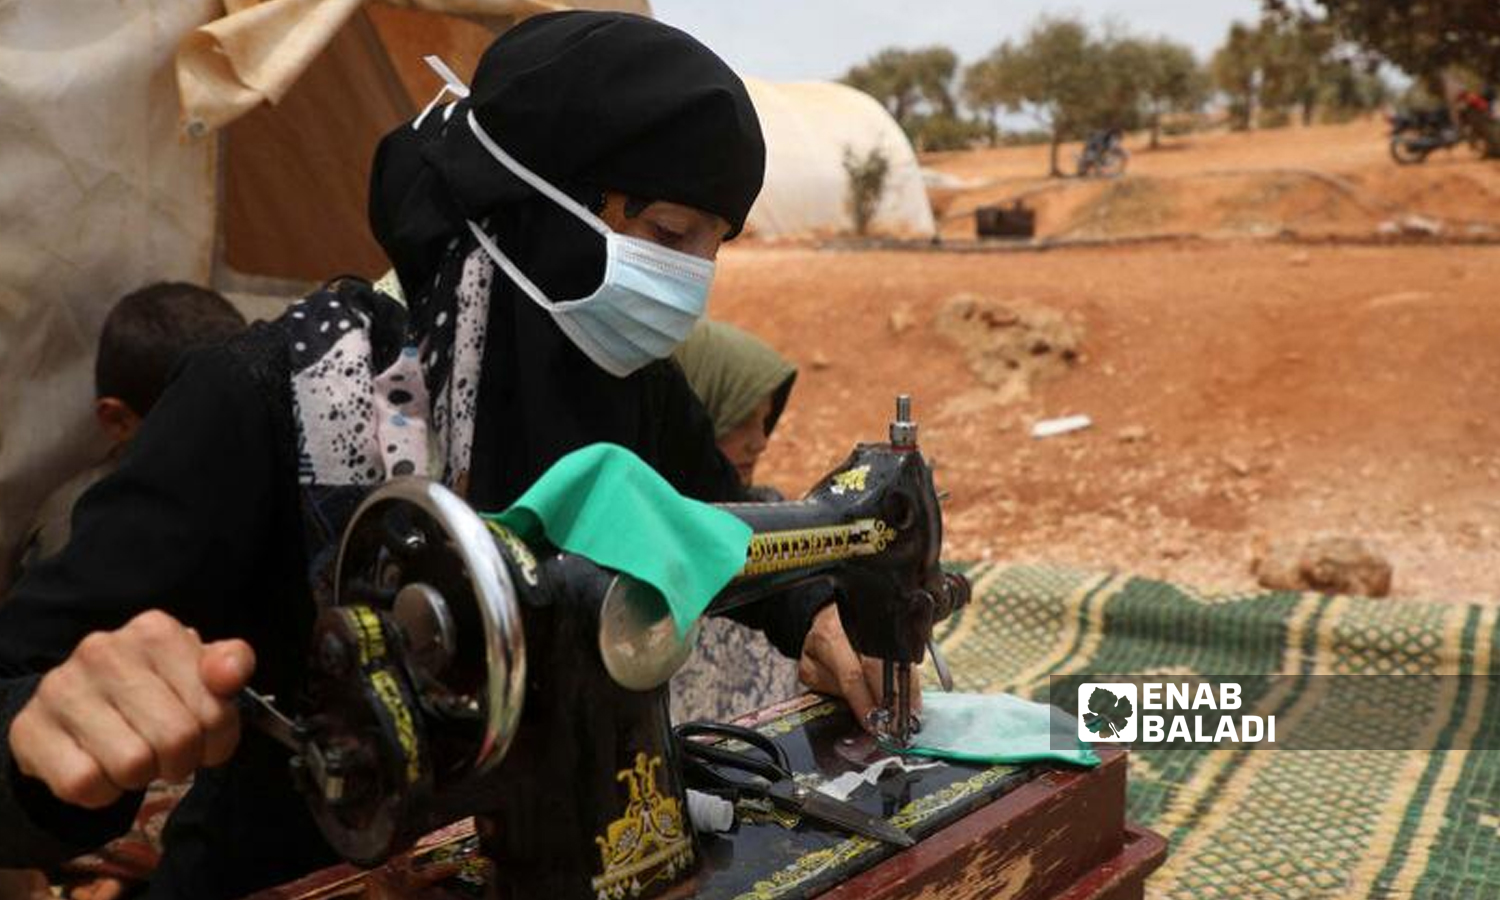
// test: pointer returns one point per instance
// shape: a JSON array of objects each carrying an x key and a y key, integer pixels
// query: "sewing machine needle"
[{"x": 939, "y": 662}]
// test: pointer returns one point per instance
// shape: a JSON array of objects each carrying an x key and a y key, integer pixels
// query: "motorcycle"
[
  {"x": 1103, "y": 156},
  {"x": 1417, "y": 134}
]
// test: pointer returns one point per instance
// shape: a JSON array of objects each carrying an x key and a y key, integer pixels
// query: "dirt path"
[
  {"x": 1335, "y": 180},
  {"x": 1275, "y": 391}
]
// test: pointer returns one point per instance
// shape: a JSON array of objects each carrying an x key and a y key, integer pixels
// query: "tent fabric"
[
  {"x": 97, "y": 197},
  {"x": 254, "y": 55},
  {"x": 101, "y": 191},
  {"x": 808, "y": 126},
  {"x": 297, "y": 175}
]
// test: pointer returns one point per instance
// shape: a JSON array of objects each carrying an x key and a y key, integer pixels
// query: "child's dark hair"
[{"x": 147, "y": 333}]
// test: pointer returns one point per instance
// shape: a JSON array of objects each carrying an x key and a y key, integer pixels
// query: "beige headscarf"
[{"x": 731, "y": 371}]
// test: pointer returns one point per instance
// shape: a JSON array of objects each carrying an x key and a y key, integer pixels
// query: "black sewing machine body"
[
  {"x": 872, "y": 530},
  {"x": 465, "y": 673}
]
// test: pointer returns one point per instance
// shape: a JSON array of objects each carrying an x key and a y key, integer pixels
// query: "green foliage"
[
  {"x": 908, "y": 83},
  {"x": 941, "y": 131},
  {"x": 867, "y": 175},
  {"x": 1236, "y": 72},
  {"x": 1349, "y": 89},
  {"x": 1061, "y": 74},
  {"x": 1069, "y": 79},
  {"x": 1289, "y": 61},
  {"x": 983, "y": 91},
  {"x": 1423, "y": 37},
  {"x": 1166, "y": 78},
  {"x": 1297, "y": 58},
  {"x": 1108, "y": 715},
  {"x": 1277, "y": 117}
]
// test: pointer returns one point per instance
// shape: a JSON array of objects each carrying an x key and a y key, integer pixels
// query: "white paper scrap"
[
  {"x": 842, "y": 787},
  {"x": 1053, "y": 427}
]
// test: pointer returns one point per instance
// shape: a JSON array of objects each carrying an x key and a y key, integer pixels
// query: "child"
[{"x": 144, "y": 337}]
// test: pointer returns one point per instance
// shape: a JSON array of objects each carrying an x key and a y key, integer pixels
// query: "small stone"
[
  {"x": 1132, "y": 434},
  {"x": 820, "y": 360},
  {"x": 1237, "y": 465},
  {"x": 1340, "y": 565},
  {"x": 901, "y": 320},
  {"x": 1299, "y": 259}
]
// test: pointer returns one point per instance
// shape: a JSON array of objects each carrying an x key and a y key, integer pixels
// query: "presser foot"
[{"x": 894, "y": 722}]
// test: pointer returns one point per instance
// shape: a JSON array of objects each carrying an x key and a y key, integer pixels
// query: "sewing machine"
[{"x": 462, "y": 672}]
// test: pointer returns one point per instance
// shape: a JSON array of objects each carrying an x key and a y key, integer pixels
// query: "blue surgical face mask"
[{"x": 648, "y": 302}]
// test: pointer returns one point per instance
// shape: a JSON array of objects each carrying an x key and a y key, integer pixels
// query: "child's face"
[
  {"x": 744, "y": 444},
  {"x": 116, "y": 419}
]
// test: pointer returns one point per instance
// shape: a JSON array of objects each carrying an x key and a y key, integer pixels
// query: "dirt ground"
[
  {"x": 1241, "y": 390},
  {"x": 1334, "y": 180}
]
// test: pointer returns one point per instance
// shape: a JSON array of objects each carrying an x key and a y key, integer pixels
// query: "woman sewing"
[{"x": 555, "y": 234}]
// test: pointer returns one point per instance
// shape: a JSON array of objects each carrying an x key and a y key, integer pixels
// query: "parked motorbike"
[
  {"x": 1103, "y": 156},
  {"x": 1417, "y": 134}
]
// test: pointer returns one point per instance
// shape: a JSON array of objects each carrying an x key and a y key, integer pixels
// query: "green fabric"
[
  {"x": 1384, "y": 781},
  {"x": 732, "y": 371},
  {"x": 602, "y": 502},
  {"x": 997, "y": 728}
]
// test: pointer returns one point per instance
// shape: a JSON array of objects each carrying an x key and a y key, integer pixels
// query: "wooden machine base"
[
  {"x": 1025, "y": 833},
  {"x": 1062, "y": 835}
]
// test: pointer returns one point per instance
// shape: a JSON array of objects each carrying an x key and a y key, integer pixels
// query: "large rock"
[
  {"x": 1010, "y": 346},
  {"x": 1338, "y": 565}
]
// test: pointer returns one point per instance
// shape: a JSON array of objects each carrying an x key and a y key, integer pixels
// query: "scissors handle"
[{"x": 773, "y": 768}]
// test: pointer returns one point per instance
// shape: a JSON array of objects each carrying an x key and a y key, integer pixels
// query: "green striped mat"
[{"x": 1385, "y": 781}]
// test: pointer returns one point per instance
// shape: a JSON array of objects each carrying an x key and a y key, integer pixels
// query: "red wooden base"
[{"x": 1061, "y": 835}]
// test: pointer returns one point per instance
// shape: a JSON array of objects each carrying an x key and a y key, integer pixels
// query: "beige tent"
[
  {"x": 808, "y": 128},
  {"x": 140, "y": 146}
]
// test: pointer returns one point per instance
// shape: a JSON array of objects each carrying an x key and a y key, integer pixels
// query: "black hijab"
[{"x": 589, "y": 101}]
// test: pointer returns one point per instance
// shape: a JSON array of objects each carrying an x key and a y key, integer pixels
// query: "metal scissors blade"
[{"x": 839, "y": 813}]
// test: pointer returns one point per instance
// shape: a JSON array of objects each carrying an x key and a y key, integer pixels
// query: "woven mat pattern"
[{"x": 1384, "y": 782}]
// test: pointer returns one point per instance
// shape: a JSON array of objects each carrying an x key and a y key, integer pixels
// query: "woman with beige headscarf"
[{"x": 744, "y": 384}]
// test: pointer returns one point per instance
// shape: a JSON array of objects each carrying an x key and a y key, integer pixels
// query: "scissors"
[{"x": 768, "y": 775}]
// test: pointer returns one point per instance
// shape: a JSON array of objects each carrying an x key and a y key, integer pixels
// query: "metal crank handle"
[{"x": 262, "y": 713}]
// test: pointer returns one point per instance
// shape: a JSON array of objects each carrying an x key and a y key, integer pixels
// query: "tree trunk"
[
  {"x": 1056, "y": 142},
  {"x": 1155, "y": 130}
]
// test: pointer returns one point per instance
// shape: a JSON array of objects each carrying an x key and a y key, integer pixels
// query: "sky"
[{"x": 804, "y": 40}]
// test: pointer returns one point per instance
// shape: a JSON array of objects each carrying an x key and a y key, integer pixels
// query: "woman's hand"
[
  {"x": 148, "y": 701},
  {"x": 829, "y": 665}
]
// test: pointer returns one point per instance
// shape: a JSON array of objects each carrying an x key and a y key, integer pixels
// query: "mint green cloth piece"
[
  {"x": 997, "y": 728},
  {"x": 602, "y": 502}
]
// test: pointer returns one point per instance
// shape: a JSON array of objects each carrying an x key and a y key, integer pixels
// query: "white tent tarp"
[{"x": 808, "y": 127}]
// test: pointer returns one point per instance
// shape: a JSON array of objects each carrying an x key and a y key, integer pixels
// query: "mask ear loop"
[
  {"x": 516, "y": 275},
  {"x": 535, "y": 180},
  {"x": 452, "y": 84}
]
